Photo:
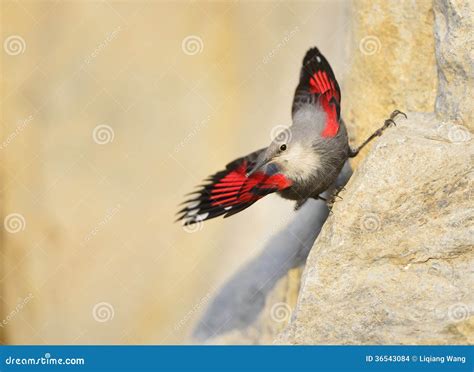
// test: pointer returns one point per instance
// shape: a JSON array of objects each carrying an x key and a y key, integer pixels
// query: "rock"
[
  {"x": 393, "y": 263},
  {"x": 392, "y": 63},
  {"x": 454, "y": 55}
]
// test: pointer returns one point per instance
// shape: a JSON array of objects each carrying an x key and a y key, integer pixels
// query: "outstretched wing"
[
  {"x": 230, "y": 191},
  {"x": 319, "y": 86}
]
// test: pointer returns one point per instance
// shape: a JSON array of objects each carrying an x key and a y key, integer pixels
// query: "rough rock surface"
[
  {"x": 454, "y": 56},
  {"x": 392, "y": 63},
  {"x": 393, "y": 263}
]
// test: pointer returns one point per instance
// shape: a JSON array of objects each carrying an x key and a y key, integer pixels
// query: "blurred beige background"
[{"x": 111, "y": 112}]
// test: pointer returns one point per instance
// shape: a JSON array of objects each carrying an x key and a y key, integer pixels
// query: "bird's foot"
[
  {"x": 334, "y": 196},
  {"x": 387, "y": 123},
  {"x": 391, "y": 120},
  {"x": 395, "y": 113}
]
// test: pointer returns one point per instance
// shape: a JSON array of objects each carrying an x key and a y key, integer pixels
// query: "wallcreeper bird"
[{"x": 301, "y": 162}]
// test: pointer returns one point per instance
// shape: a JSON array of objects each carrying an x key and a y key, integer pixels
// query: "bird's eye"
[{"x": 283, "y": 147}]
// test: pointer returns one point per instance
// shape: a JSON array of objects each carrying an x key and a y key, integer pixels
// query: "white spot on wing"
[
  {"x": 201, "y": 217},
  {"x": 193, "y": 212},
  {"x": 193, "y": 204},
  {"x": 318, "y": 58},
  {"x": 227, "y": 208}
]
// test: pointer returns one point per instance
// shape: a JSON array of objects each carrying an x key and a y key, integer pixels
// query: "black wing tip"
[
  {"x": 313, "y": 61},
  {"x": 195, "y": 219},
  {"x": 203, "y": 210},
  {"x": 188, "y": 220},
  {"x": 210, "y": 211},
  {"x": 311, "y": 54},
  {"x": 313, "y": 51}
]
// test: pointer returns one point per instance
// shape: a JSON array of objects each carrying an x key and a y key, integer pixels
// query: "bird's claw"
[
  {"x": 334, "y": 196},
  {"x": 395, "y": 113},
  {"x": 393, "y": 116},
  {"x": 330, "y": 204},
  {"x": 389, "y": 122}
]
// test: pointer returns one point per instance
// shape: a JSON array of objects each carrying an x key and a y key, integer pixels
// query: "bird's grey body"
[{"x": 311, "y": 161}]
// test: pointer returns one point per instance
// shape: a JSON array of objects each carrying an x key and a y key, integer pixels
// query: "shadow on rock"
[{"x": 241, "y": 300}]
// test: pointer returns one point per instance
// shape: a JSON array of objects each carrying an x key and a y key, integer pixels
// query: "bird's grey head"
[{"x": 291, "y": 152}]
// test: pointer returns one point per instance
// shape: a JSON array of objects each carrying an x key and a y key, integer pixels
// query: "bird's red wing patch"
[
  {"x": 231, "y": 191},
  {"x": 325, "y": 88},
  {"x": 237, "y": 188},
  {"x": 318, "y": 84},
  {"x": 321, "y": 83}
]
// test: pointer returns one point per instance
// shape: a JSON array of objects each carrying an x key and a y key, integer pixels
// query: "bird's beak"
[{"x": 257, "y": 166}]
